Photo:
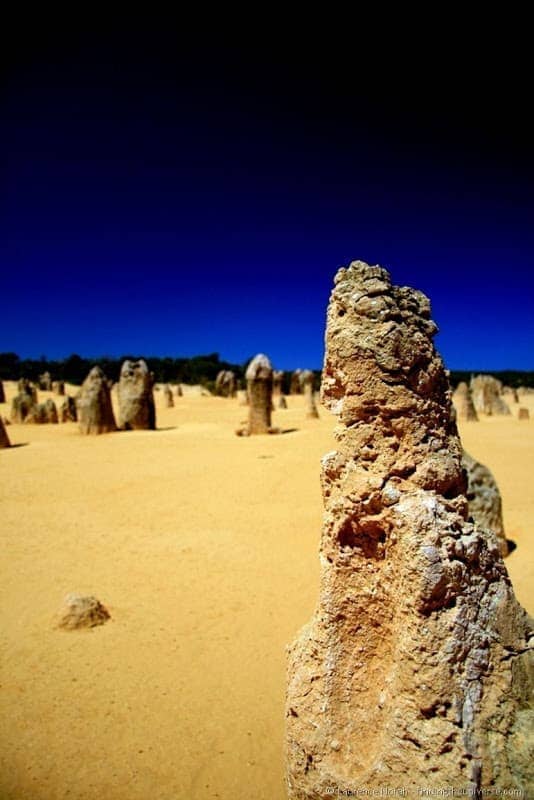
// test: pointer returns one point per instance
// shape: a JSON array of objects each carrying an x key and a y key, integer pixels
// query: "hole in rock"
[{"x": 367, "y": 538}]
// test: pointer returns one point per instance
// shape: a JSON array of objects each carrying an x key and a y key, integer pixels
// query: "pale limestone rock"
[
  {"x": 484, "y": 498},
  {"x": 45, "y": 381},
  {"x": 306, "y": 382},
  {"x": 23, "y": 403},
  {"x": 93, "y": 404},
  {"x": 21, "y": 406},
  {"x": 226, "y": 383},
  {"x": 81, "y": 611},
  {"x": 463, "y": 402},
  {"x": 42, "y": 414},
  {"x": 27, "y": 387},
  {"x": 67, "y": 410},
  {"x": 137, "y": 409},
  {"x": 58, "y": 387},
  {"x": 259, "y": 377},
  {"x": 415, "y": 670},
  {"x": 486, "y": 391}
]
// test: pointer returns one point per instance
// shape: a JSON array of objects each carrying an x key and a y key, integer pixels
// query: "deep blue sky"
[{"x": 173, "y": 196}]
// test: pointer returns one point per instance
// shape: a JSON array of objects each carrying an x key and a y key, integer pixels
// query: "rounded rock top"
[{"x": 260, "y": 368}]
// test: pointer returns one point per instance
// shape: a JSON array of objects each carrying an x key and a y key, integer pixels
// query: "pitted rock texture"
[
  {"x": 484, "y": 498},
  {"x": 487, "y": 399},
  {"x": 4, "y": 438},
  {"x": 414, "y": 670},
  {"x": 81, "y": 611},
  {"x": 463, "y": 403},
  {"x": 95, "y": 413},
  {"x": 137, "y": 410},
  {"x": 306, "y": 382},
  {"x": 225, "y": 383},
  {"x": 167, "y": 396}
]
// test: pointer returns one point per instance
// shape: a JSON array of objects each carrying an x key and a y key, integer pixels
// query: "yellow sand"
[{"x": 203, "y": 546}]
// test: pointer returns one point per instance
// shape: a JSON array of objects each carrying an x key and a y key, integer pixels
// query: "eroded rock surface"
[
  {"x": 95, "y": 413},
  {"x": 225, "y": 383},
  {"x": 484, "y": 498},
  {"x": 42, "y": 413},
  {"x": 58, "y": 387},
  {"x": 67, "y": 410},
  {"x": 486, "y": 391},
  {"x": 21, "y": 405},
  {"x": 81, "y": 611},
  {"x": 27, "y": 387},
  {"x": 136, "y": 399},
  {"x": 259, "y": 377},
  {"x": 306, "y": 383},
  {"x": 415, "y": 670},
  {"x": 463, "y": 402}
]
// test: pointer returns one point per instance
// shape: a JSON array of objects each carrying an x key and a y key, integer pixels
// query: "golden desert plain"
[{"x": 203, "y": 546}]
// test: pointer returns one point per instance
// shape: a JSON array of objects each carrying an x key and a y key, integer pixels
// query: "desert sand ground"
[{"x": 203, "y": 546}]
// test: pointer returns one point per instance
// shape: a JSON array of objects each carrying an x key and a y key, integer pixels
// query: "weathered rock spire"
[
  {"x": 259, "y": 377},
  {"x": 94, "y": 409},
  {"x": 463, "y": 401},
  {"x": 137, "y": 410},
  {"x": 415, "y": 670},
  {"x": 307, "y": 379}
]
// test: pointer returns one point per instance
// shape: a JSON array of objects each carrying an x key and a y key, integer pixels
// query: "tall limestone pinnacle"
[{"x": 415, "y": 670}]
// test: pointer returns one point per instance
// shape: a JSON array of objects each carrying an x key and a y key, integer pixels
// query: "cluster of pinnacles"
[
  {"x": 416, "y": 670},
  {"x": 136, "y": 400}
]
